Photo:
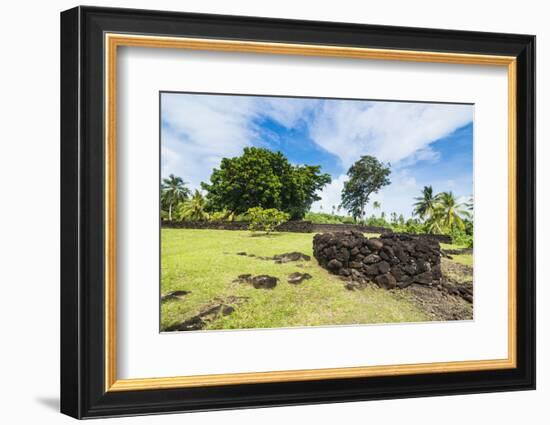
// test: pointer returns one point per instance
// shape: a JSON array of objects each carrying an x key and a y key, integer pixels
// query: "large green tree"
[
  {"x": 173, "y": 191},
  {"x": 365, "y": 177},
  {"x": 262, "y": 178}
]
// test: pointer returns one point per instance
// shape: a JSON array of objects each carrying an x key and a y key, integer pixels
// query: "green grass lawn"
[{"x": 205, "y": 262}]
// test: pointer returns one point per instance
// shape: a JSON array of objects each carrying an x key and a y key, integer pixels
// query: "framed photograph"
[{"x": 261, "y": 212}]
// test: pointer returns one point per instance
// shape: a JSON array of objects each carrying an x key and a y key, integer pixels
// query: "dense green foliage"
[
  {"x": 266, "y": 179},
  {"x": 443, "y": 213},
  {"x": 366, "y": 177},
  {"x": 265, "y": 220},
  {"x": 264, "y": 188},
  {"x": 193, "y": 209},
  {"x": 324, "y": 218}
]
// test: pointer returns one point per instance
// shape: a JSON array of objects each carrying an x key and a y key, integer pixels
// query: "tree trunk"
[{"x": 170, "y": 212}]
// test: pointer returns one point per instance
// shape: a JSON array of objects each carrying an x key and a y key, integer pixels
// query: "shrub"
[
  {"x": 265, "y": 220},
  {"x": 325, "y": 218},
  {"x": 460, "y": 237},
  {"x": 224, "y": 215}
]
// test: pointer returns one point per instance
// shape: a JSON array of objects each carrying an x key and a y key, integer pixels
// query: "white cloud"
[
  {"x": 390, "y": 131},
  {"x": 330, "y": 196},
  {"x": 202, "y": 129}
]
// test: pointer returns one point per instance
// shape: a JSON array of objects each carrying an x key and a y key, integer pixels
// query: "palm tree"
[
  {"x": 376, "y": 205},
  {"x": 425, "y": 205},
  {"x": 469, "y": 204},
  {"x": 173, "y": 191},
  {"x": 194, "y": 209},
  {"x": 452, "y": 213}
]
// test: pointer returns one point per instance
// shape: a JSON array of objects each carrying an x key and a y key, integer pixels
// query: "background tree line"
[{"x": 263, "y": 186}]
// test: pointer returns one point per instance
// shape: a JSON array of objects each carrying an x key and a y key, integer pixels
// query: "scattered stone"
[
  {"x": 291, "y": 256},
  {"x": 218, "y": 308},
  {"x": 243, "y": 278},
  {"x": 297, "y": 277},
  {"x": 262, "y": 281},
  {"x": 174, "y": 295},
  {"x": 241, "y": 253}
]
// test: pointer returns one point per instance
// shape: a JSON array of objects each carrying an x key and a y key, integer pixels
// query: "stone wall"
[
  {"x": 324, "y": 228},
  {"x": 300, "y": 226},
  {"x": 393, "y": 260},
  {"x": 297, "y": 226}
]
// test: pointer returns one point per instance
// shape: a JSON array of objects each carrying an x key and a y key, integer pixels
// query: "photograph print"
[{"x": 281, "y": 212}]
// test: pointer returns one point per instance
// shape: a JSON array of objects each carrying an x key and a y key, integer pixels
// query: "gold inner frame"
[{"x": 113, "y": 41}]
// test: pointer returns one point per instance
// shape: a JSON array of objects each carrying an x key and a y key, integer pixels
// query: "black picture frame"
[{"x": 83, "y": 392}]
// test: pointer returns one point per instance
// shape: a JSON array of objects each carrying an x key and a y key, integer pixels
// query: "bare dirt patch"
[{"x": 440, "y": 304}]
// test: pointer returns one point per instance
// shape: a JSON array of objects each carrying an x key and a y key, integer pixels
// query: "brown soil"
[
  {"x": 439, "y": 304},
  {"x": 452, "y": 299}
]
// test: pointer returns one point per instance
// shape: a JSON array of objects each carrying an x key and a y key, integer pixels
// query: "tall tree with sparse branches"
[{"x": 365, "y": 177}]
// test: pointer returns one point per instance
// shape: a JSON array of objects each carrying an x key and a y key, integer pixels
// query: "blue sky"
[{"x": 425, "y": 143}]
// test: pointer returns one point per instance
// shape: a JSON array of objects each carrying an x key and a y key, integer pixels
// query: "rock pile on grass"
[{"x": 392, "y": 260}]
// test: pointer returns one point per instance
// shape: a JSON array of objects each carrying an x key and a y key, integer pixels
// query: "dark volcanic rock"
[
  {"x": 297, "y": 277},
  {"x": 355, "y": 265},
  {"x": 406, "y": 281},
  {"x": 393, "y": 260},
  {"x": 291, "y": 256},
  {"x": 371, "y": 259},
  {"x": 386, "y": 281},
  {"x": 425, "y": 278},
  {"x": 383, "y": 267},
  {"x": 174, "y": 295},
  {"x": 398, "y": 273},
  {"x": 264, "y": 281},
  {"x": 345, "y": 272},
  {"x": 218, "y": 308},
  {"x": 370, "y": 270},
  {"x": 374, "y": 244},
  {"x": 334, "y": 264}
]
